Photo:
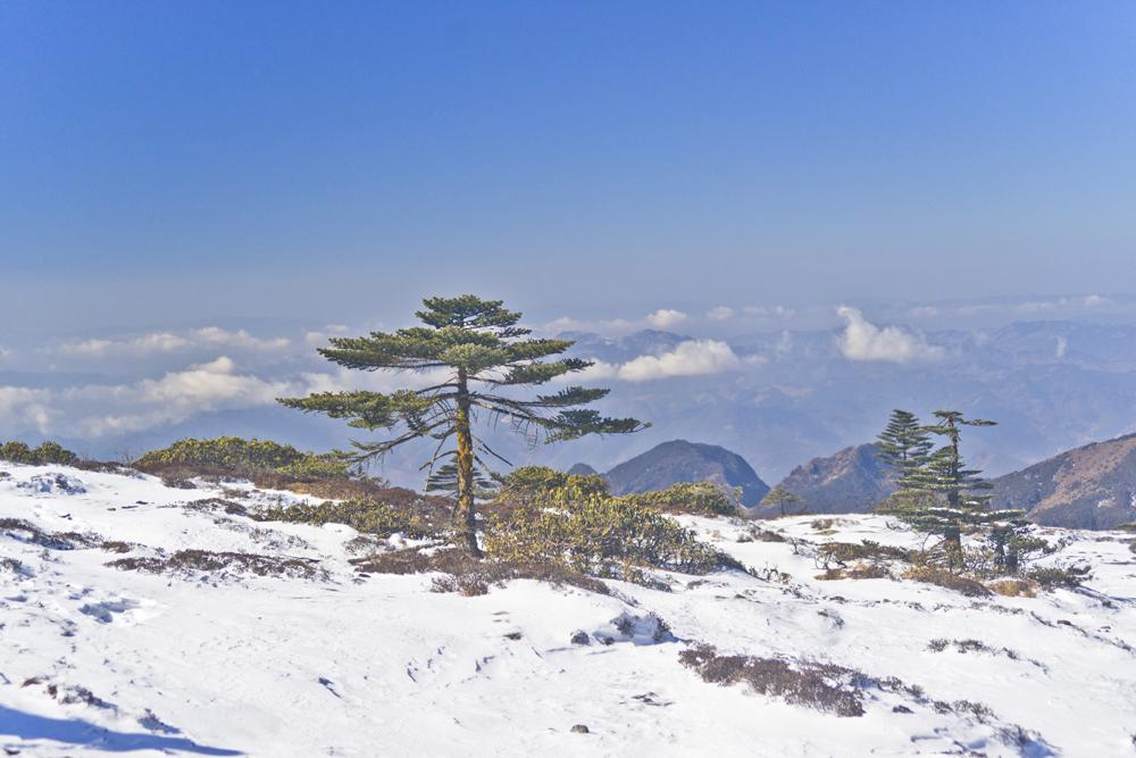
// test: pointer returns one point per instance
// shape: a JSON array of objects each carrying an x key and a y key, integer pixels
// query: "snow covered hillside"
[{"x": 273, "y": 644}]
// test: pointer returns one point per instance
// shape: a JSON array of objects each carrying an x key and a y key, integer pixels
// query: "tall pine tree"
[
  {"x": 484, "y": 355},
  {"x": 961, "y": 497}
]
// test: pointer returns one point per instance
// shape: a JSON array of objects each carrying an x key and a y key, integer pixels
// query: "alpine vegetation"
[{"x": 485, "y": 355}]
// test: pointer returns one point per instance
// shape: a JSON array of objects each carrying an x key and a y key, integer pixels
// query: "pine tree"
[
  {"x": 485, "y": 355},
  {"x": 781, "y": 499},
  {"x": 961, "y": 496},
  {"x": 904, "y": 444}
]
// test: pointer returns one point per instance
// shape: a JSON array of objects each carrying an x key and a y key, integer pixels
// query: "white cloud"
[
  {"x": 169, "y": 342},
  {"x": 173, "y": 398},
  {"x": 1062, "y": 347},
  {"x": 665, "y": 318},
  {"x": 862, "y": 340},
  {"x": 720, "y": 313},
  {"x": 217, "y": 336},
  {"x": 690, "y": 358},
  {"x": 768, "y": 311},
  {"x": 25, "y": 408}
]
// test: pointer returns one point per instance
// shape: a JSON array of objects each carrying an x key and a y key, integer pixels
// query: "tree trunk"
[{"x": 465, "y": 516}]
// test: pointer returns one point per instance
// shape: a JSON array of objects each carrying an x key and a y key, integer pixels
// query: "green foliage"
[
  {"x": 943, "y": 497},
  {"x": 235, "y": 454},
  {"x": 1067, "y": 577},
  {"x": 484, "y": 354},
  {"x": 49, "y": 453},
  {"x": 363, "y": 514},
  {"x": 528, "y": 481},
  {"x": 783, "y": 500},
  {"x": 700, "y": 498},
  {"x": 596, "y": 534},
  {"x": 904, "y": 444}
]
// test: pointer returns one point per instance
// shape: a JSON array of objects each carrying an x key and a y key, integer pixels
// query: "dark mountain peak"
[
  {"x": 683, "y": 461},
  {"x": 582, "y": 469}
]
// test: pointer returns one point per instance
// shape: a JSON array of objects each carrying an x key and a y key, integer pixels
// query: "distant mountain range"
[
  {"x": 1091, "y": 487},
  {"x": 794, "y": 395},
  {"x": 682, "y": 461}
]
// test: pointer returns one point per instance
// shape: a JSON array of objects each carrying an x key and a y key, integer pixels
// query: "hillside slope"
[{"x": 1091, "y": 487}]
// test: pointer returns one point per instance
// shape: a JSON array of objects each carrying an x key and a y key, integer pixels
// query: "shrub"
[
  {"x": 365, "y": 515},
  {"x": 465, "y": 571},
  {"x": 596, "y": 534},
  {"x": 185, "y": 562},
  {"x": 843, "y": 552},
  {"x": 49, "y": 453},
  {"x": 699, "y": 498},
  {"x": 1014, "y": 587},
  {"x": 943, "y": 578},
  {"x": 241, "y": 456},
  {"x": 1068, "y": 577},
  {"x": 528, "y": 481},
  {"x": 823, "y": 686}
]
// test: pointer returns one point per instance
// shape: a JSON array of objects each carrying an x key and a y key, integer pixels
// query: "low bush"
[
  {"x": 598, "y": 535},
  {"x": 425, "y": 518},
  {"x": 844, "y": 552},
  {"x": 943, "y": 578},
  {"x": 466, "y": 573},
  {"x": 185, "y": 562},
  {"x": 1067, "y": 577},
  {"x": 698, "y": 498},
  {"x": 823, "y": 686},
  {"x": 238, "y": 456},
  {"x": 866, "y": 570},
  {"x": 49, "y": 453},
  {"x": 1013, "y": 587}
]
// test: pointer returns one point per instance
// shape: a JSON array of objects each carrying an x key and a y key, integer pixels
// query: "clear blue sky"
[{"x": 338, "y": 160}]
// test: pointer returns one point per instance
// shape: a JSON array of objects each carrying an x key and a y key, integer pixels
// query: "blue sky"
[{"x": 208, "y": 162}]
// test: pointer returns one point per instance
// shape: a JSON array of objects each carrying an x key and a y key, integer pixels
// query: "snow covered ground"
[{"x": 101, "y": 659}]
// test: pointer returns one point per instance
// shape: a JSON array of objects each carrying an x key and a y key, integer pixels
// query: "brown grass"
[
  {"x": 466, "y": 572},
  {"x": 1013, "y": 587},
  {"x": 943, "y": 578},
  {"x": 804, "y": 683},
  {"x": 185, "y": 562}
]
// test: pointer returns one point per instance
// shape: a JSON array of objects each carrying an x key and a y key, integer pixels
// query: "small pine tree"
[
  {"x": 486, "y": 356},
  {"x": 782, "y": 499}
]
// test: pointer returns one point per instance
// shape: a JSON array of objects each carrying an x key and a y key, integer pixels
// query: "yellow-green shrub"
[
  {"x": 238, "y": 455},
  {"x": 47, "y": 453},
  {"x": 364, "y": 515},
  {"x": 596, "y": 534},
  {"x": 700, "y": 498}
]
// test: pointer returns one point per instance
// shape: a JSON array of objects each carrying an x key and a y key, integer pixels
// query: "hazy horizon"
[{"x": 198, "y": 195}]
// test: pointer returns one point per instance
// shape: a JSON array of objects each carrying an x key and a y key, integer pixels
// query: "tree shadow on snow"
[{"x": 27, "y": 726}]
